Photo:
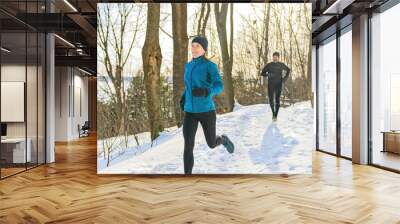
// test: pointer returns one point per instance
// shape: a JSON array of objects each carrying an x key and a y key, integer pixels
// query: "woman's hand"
[{"x": 200, "y": 92}]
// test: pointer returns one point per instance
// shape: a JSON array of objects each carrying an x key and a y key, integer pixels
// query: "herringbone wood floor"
[{"x": 70, "y": 191}]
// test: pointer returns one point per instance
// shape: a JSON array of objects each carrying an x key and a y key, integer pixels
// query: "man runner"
[{"x": 277, "y": 73}]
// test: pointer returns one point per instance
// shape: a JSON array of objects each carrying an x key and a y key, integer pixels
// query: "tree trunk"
[
  {"x": 309, "y": 73},
  {"x": 120, "y": 101},
  {"x": 179, "y": 33},
  {"x": 266, "y": 35},
  {"x": 202, "y": 23},
  {"x": 151, "y": 54},
  {"x": 220, "y": 17},
  {"x": 199, "y": 23},
  {"x": 266, "y": 49},
  {"x": 309, "y": 58},
  {"x": 203, "y": 28}
]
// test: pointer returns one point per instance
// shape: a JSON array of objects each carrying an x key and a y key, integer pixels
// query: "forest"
[{"x": 142, "y": 50}]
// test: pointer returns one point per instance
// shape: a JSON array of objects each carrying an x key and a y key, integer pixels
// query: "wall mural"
[{"x": 204, "y": 88}]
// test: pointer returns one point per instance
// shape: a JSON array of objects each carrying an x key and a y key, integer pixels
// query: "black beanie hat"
[{"x": 202, "y": 41}]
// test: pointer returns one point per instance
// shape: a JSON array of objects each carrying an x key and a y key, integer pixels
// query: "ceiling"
[
  {"x": 74, "y": 22},
  {"x": 331, "y": 15}
]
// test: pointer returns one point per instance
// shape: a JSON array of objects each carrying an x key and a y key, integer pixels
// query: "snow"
[{"x": 261, "y": 146}]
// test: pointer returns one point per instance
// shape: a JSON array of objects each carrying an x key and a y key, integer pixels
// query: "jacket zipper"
[{"x": 191, "y": 84}]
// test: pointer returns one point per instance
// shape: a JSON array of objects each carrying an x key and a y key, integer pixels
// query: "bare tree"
[
  {"x": 266, "y": 33},
  {"x": 221, "y": 13},
  {"x": 107, "y": 117},
  {"x": 151, "y": 54},
  {"x": 266, "y": 43},
  {"x": 280, "y": 40},
  {"x": 300, "y": 53},
  {"x": 180, "y": 42},
  {"x": 204, "y": 15},
  {"x": 114, "y": 54},
  {"x": 108, "y": 147},
  {"x": 309, "y": 55}
]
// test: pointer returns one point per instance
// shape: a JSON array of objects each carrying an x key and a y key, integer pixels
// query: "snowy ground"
[{"x": 261, "y": 146}]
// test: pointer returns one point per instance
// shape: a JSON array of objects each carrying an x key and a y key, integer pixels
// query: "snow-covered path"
[{"x": 261, "y": 146}]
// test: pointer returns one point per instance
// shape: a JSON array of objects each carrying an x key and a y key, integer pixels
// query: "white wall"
[
  {"x": 14, "y": 73},
  {"x": 33, "y": 126},
  {"x": 70, "y": 83},
  {"x": 80, "y": 94},
  {"x": 61, "y": 103}
]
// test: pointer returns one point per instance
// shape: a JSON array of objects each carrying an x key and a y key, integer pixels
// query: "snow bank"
[{"x": 261, "y": 146}]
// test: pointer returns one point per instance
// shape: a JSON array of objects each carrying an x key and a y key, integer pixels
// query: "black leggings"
[
  {"x": 274, "y": 95},
  {"x": 190, "y": 123}
]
